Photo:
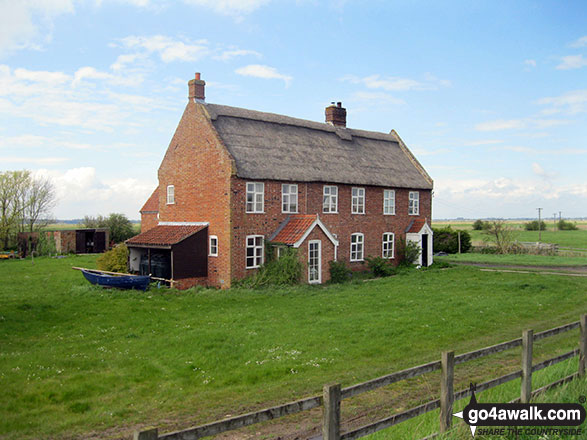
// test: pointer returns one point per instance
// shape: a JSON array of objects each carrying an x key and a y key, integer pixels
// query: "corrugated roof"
[
  {"x": 165, "y": 235},
  {"x": 152, "y": 204},
  {"x": 293, "y": 228},
  {"x": 276, "y": 147}
]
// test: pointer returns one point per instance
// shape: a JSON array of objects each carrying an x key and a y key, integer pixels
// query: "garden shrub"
[
  {"x": 46, "y": 244},
  {"x": 115, "y": 260},
  {"x": 380, "y": 267},
  {"x": 479, "y": 225},
  {"x": 408, "y": 252},
  {"x": 339, "y": 272},
  {"x": 535, "y": 225},
  {"x": 447, "y": 240},
  {"x": 283, "y": 271}
]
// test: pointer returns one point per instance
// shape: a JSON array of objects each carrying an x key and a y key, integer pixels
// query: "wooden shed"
[{"x": 77, "y": 241}]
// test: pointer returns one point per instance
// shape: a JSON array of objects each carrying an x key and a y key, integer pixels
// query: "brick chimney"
[
  {"x": 196, "y": 88},
  {"x": 336, "y": 115}
]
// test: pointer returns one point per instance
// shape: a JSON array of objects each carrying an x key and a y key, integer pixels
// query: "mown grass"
[
  {"x": 514, "y": 259},
  {"x": 76, "y": 358}
]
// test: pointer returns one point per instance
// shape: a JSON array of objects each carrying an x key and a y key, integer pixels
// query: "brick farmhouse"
[{"x": 234, "y": 181}]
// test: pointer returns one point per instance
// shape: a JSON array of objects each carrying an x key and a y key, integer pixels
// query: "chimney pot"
[
  {"x": 196, "y": 88},
  {"x": 336, "y": 115}
]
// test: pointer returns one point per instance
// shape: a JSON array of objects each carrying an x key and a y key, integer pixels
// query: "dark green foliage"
[
  {"x": 409, "y": 252},
  {"x": 339, "y": 272},
  {"x": 115, "y": 260},
  {"x": 119, "y": 225},
  {"x": 380, "y": 267},
  {"x": 535, "y": 225},
  {"x": 564, "y": 225},
  {"x": 283, "y": 271},
  {"x": 447, "y": 240},
  {"x": 46, "y": 244},
  {"x": 479, "y": 225}
]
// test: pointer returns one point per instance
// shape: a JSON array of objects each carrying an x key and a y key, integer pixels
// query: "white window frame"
[
  {"x": 357, "y": 247},
  {"x": 170, "y": 194},
  {"x": 385, "y": 244},
  {"x": 289, "y": 191},
  {"x": 330, "y": 200},
  {"x": 258, "y": 251},
  {"x": 257, "y": 192},
  {"x": 357, "y": 199},
  {"x": 414, "y": 203},
  {"x": 319, "y": 250},
  {"x": 388, "y": 202},
  {"x": 212, "y": 252}
]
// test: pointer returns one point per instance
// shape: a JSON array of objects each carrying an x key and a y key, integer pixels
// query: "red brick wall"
[
  {"x": 148, "y": 221},
  {"x": 199, "y": 167},
  {"x": 327, "y": 253},
  {"x": 372, "y": 224}
]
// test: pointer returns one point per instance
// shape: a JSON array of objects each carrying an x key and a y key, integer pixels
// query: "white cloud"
[
  {"x": 571, "y": 103},
  {"x": 377, "y": 97},
  {"x": 500, "y": 124},
  {"x": 572, "y": 62},
  {"x": 21, "y": 21},
  {"x": 530, "y": 63},
  {"x": 167, "y": 48},
  {"x": 484, "y": 142},
  {"x": 262, "y": 71},
  {"x": 394, "y": 84},
  {"x": 230, "y": 7},
  {"x": 89, "y": 73},
  {"x": 31, "y": 160},
  {"x": 581, "y": 42},
  {"x": 230, "y": 54},
  {"x": 541, "y": 172}
]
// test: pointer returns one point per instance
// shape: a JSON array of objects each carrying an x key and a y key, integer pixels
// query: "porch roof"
[
  {"x": 416, "y": 226},
  {"x": 295, "y": 228}
]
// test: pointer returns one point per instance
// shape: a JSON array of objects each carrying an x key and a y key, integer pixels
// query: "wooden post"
[
  {"x": 527, "y": 344},
  {"x": 583, "y": 345},
  {"x": 146, "y": 434},
  {"x": 331, "y": 412},
  {"x": 459, "y": 242},
  {"x": 447, "y": 389}
]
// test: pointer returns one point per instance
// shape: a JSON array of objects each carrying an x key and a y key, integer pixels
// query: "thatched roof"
[{"x": 276, "y": 147}]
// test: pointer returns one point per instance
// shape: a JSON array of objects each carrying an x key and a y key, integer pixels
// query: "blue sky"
[{"x": 490, "y": 96}]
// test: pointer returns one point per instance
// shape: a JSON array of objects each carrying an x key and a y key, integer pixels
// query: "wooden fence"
[{"x": 333, "y": 394}]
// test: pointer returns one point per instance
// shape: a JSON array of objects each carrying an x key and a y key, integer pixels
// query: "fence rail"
[{"x": 333, "y": 394}]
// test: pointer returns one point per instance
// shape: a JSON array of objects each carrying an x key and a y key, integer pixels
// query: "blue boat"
[{"x": 139, "y": 282}]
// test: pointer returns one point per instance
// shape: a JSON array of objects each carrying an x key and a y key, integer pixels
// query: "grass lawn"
[
  {"x": 76, "y": 359},
  {"x": 514, "y": 259}
]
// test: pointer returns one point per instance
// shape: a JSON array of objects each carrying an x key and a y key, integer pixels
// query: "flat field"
[{"x": 77, "y": 361}]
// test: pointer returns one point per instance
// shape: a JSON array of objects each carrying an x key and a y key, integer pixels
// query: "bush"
[
  {"x": 564, "y": 225},
  {"x": 283, "y": 271},
  {"x": 115, "y": 260},
  {"x": 535, "y": 225},
  {"x": 409, "y": 252},
  {"x": 380, "y": 267},
  {"x": 46, "y": 244},
  {"x": 479, "y": 225},
  {"x": 447, "y": 240},
  {"x": 339, "y": 272}
]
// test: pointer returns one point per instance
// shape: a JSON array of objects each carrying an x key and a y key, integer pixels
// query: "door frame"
[{"x": 319, "y": 243}]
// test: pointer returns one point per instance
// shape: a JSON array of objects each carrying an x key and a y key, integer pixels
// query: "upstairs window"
[
  {"x": 388, "y": 245},
  {"x": 330, "y": 200},
  {"x": 389, "y": 202},
  {"x": 255, "y": 196},
  {"x": 358, "y": 201},
  {"x": 255, "y": 248},
  {"x": 213, "y": 246},
  {"x": 171, "y": 195},
  {"x": 414, "y": 204},
  {"x": 289, "y": 198},
  {"x": 357, "y": 247}
]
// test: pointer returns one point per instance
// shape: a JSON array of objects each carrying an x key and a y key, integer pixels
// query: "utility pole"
[
  {"x": 539, "y": 228},
  {"x": 554, "y": 221}
]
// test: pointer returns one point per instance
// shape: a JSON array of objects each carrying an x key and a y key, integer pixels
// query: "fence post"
[
  {"x": 447, "y": 389},
  {"x": 583, "y": 345},
  {"x": 527, "y": 345},
  {"x": 146, "y": 434},
  {"x": 331, "y": 412}
]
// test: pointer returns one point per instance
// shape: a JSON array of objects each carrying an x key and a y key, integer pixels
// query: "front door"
[
  {"x": 315, "y": 261},
  {"x": 425, "y": 250}
]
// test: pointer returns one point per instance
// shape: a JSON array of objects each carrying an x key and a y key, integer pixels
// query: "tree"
[
  {"x": 40, "y": 199},
  {"x": 13, "y": 186},
  {"x": 503, "y": 235},
  {"x": 90, "y": 222},
  {"x": 479, "y": 225},
  {"x": 120, "y": 227},
  {"x": 447, "y": 240},
  {"x": 535, "y": 225}
]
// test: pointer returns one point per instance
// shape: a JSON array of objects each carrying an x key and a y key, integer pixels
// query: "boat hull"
[{"x": 138, "y": 282}]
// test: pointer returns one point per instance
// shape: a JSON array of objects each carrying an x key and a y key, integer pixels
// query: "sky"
[{"x": 490, "y": 96}]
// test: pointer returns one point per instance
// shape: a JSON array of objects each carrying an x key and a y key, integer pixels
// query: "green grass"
[
  {"x": 515, "y": 259},
  {"x": 75, "y": 358}
]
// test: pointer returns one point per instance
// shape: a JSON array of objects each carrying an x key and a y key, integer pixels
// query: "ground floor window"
[
  {"x": 388, "y": 245},
  {"x": 357, "y": 246},
  {"x": 314, "y": 262},
  {"x": 254, "y": 251}
]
